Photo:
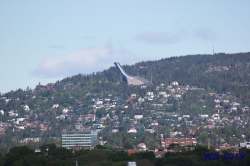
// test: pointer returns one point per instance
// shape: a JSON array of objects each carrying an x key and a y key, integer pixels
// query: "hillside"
[
  {"x": 220, "y": 73},
  {"x": 196, "y": 96}
]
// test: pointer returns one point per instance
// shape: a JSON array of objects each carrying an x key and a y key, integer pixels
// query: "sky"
[{"x": 46, "y": 41}]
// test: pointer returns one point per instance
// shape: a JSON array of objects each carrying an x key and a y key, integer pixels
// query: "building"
[
  {"x": 131, "y": 163},
  {"x": 132, "y": 130},
  {"x": 142, "y": 147},
  {"x": 181, "y": 141},
  {"x": 244, "y": 145},
  {"x": 79, "y": 138},
  {"x": 43, "y": 87},
  {"x": 131, "y": 80}
]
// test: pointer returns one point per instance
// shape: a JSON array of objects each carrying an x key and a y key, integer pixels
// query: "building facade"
[
  {"x": 165, "y": 142},
  {"x": 79, "y": 138}
]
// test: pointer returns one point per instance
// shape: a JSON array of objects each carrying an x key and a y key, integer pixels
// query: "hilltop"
[{"x": 220, "y": 72}]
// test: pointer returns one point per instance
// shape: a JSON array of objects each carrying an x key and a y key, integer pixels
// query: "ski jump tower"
[{"x": 131, "y": 80}]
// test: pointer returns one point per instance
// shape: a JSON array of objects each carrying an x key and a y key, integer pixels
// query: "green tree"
[
  {"x": 32, "y": 160},
  {"x": 100, "y": 112}
]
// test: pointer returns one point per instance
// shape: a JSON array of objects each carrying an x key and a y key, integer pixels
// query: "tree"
[
  {"x": 100, "y": 147},
  {"x": 100, "y": 112},
  {"x": 151, "y": 143},
  {"x": 17, "y": 153},
  {"x": 203, "y": 136},
  {"x": 31, "y": 160},
  {"x": 61, "y": 153},
  {"x": 128, "y": 146},
  {"x": 48, "y": 148}
]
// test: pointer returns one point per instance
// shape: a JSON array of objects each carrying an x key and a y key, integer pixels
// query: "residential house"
[
  {"x": 138, "y": 116},
  {"x": 154, "y": 123},
  {"x": 91, "y": 117},
  {"x": 216, "y": 116},
  {"x": 115, "y": 130},
  {"x": 65, "y": 111},
  {"x": 13, "y": 113},
  {"x": 150, "y": 129},
  {"x": 2, "y": 112},
  {"x": 55, "y": 106},
  {"x": 204, "y": 115},
  {"x": 142, "y": 147},
  {"x": 132, "y": 130},
  {"x": 175, "y": 83}
]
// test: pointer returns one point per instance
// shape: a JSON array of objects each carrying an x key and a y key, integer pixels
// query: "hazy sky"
[{"x": 49, "y": 40}]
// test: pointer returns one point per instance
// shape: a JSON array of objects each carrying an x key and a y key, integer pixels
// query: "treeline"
[{"x": 51, "y": 155}]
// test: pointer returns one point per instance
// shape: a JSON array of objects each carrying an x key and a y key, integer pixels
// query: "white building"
[
  {"x": 132, "y": 130},
  {"x": 150, "y": 93},
  {"x": 26, "y": 107},
  {"x": 216, "y": 116},
  {"x": 138, "y": 116},
  {"x": 55, "y": 106},
  {"x": 204, "y": 115},
  {"x": 142, "y": 146},
  {"x": 2, "y": 112},
  {"x": 20, "y": 119},
  {"x": 140, "y": 100},
  {"x": 175, "y": 83},
  {"x": 65, "y": 111},
  {"x": 79, "y": 138}
]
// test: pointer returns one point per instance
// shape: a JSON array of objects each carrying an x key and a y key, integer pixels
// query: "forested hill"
[
  {"x": 220, "y": 72},
  {"x": 217, "y": 83}
]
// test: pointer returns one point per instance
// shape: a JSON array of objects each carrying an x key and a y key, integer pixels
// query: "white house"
[
  {"x": 245, "y": 144},
  {"x": 21, "y": 127},
  {"x": 216, "y": 100},
  {"x": 133, "y": 95},
  {"x": 132, "y": 130},
  {"x": 20, "y": 119},
  {"x": 55, "y": 106},
  {"x": 204, "y": 115},
  {"x": 138, "y": 116},
  {"x": 177, "y": 95},
  {"x": 216, "y": 116},
  {"x": 2, "y": 112},
  {"x": 150, "y": 93},
  {"x": 142, "y": 146},
  {"x": 26, "y": 107},
  {"x": 164, "y": 94},
  {"x": 98, "y": 101},
  {"x": 106, "y": 99},
  {"x": 12, "y": 113},
  {"x": 151, "y": 130},
  {"x": 65, "y": 110},
  {"x": 175, "y": 83},
  {"x": 154, "y": 123},
  {"x": 140, "y": 100},
  {"x": 186, "y": 116},
  {"x": 180, "y": 118},
  {"x": 115, "y": 130},
  {"x": 235, "y": 104}
]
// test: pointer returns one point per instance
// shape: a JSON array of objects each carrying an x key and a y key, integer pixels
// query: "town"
[{"x": 142, "y": 118}]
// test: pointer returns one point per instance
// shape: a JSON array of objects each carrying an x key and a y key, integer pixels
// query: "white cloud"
[
  {"x": 85, "y": 61},
  {"x": 205, "y": 34},
  {"x": 158, "y": 37}
]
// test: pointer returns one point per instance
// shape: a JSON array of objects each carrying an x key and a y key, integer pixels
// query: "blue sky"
[{"x": 46, "y": 41}]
